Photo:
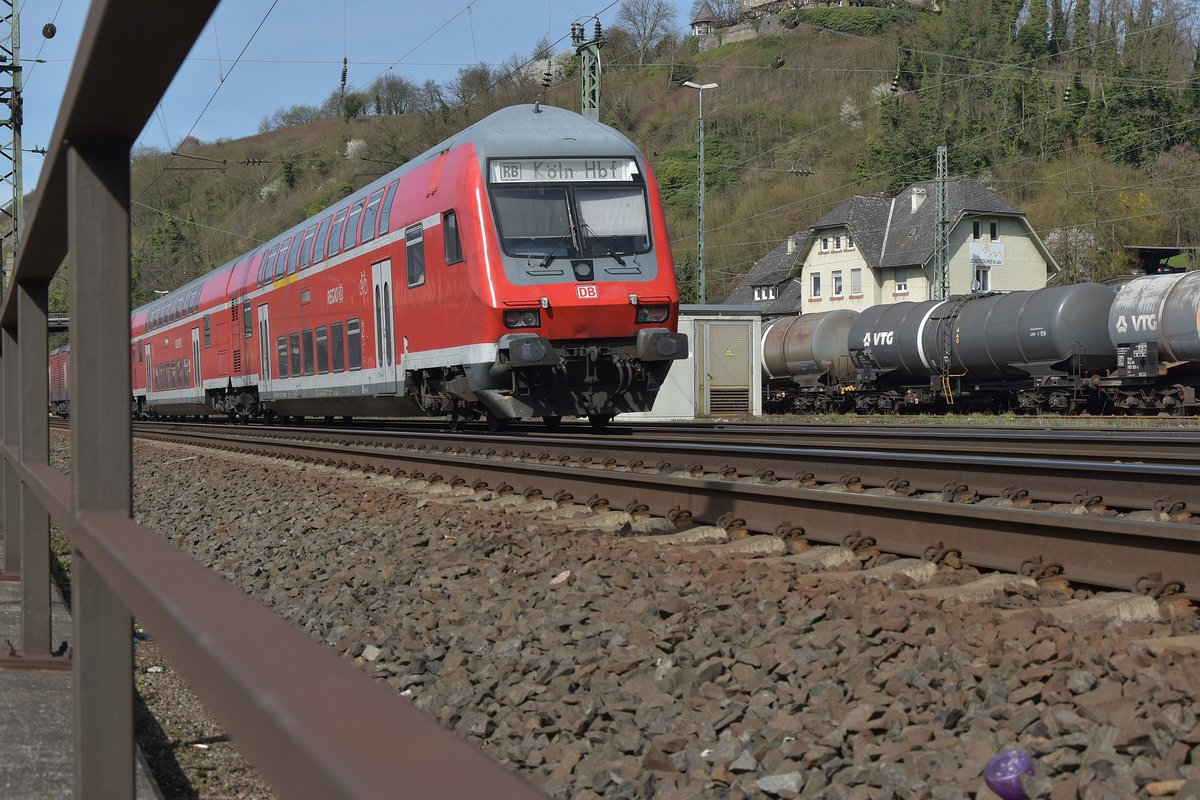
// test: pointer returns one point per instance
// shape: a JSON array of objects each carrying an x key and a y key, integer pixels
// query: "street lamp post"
[{"x": 700, "y": 87}]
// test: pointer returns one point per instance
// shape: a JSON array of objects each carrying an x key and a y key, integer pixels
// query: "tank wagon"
[
  {"x": 519, "y": 269},
  {"x": 1063, "y": 349}
]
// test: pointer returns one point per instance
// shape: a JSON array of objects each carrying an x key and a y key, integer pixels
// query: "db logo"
[{"x": 587, "y": 291}]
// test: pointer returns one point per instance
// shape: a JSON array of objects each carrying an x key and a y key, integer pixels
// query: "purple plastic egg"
[{"x": 1003, "y": 773}]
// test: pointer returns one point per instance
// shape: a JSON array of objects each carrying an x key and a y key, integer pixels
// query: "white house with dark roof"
[{"x": 873, "y": 249}]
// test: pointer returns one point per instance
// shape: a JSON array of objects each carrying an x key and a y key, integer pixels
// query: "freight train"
[
  {"x": 1063, "y": 349},
  {"x": 519, "y": 269}
]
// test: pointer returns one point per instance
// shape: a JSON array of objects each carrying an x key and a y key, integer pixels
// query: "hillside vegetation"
[{"x": 820, "y": 105}]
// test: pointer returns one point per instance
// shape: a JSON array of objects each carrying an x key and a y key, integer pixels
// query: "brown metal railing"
[{"x": 312, "y": 724}]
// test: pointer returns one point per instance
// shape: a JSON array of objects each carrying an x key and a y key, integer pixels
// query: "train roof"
[{"x": 510, "y": 131}]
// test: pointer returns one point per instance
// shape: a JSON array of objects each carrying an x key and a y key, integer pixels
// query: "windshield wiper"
[
  {"x": 587, "y": 231},
  {"x": 550, "y": 256}
]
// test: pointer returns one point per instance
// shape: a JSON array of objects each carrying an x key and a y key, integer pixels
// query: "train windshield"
[{"x": 543, "y": 214}]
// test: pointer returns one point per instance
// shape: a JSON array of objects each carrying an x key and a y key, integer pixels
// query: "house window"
[
  {"x": 849, "y": 241},
  {"x": 994, "y": 230},
  {"x": 976, "y": 230},
  {"x": 837, "y": 243},
  {"x": 837, "y": 283},
  {"x": 981, "y": 282},
  {"x": 816, "y": 285},
  {"x": 856, "y": 282},
  {"x": 901, "y": 282},
  {"x": 824, "y": 244}
]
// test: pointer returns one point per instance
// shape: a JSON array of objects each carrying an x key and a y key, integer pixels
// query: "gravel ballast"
[{"x": 604, "y": 667}]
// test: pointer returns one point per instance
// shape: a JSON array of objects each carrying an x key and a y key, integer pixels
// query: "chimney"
[
  {"x": 918, "y": 197},
  {"x": 791, "y": 245}
]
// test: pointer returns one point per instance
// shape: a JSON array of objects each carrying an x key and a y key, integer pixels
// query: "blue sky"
[{"x": 296, "y": 55}]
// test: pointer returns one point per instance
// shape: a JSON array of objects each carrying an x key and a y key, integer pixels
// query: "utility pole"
[
  {"x": 941, "y": 251},
  {"x": 703, "y": 295},
  {"x": 589, "y": 68},
  {"x": 10, "y": 145}
]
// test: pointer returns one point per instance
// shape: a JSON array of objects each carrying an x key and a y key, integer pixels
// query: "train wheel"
[
  {"x": 552, "y": 421},
  {"x": 600, "y": 422}
]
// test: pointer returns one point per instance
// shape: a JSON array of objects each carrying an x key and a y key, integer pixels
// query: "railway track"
[{"x": 1095, "y": 522}]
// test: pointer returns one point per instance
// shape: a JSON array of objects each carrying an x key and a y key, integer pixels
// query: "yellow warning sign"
[{"x": 729, "y": 352}]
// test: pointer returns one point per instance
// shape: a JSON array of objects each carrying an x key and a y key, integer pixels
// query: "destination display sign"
[{"x": 563, "y": 170}]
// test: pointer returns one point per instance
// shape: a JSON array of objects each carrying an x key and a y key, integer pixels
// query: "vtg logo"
[
  {"x": 587, "y": 291},
  {"x": 1139, "y": 323},
  {"x": 880, "y": 337}
]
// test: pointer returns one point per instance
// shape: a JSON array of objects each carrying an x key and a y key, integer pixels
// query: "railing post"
[
  {"x": 12, "y": 433},
  {"x": 32, "y": 301},
  {"x": 102, "y": 457}
]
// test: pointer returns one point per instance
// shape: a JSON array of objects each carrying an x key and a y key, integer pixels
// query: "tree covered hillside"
[{"x": 1083, "y": 113}]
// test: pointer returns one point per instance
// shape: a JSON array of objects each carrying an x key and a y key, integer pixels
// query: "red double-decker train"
[{"x": 520, "y": 269}]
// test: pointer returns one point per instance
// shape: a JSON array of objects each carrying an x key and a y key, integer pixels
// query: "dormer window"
[{"x": 764, "y": 292}]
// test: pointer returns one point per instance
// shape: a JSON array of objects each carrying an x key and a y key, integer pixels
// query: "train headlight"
[
  {"x": 523, "y": 318},
  {"x": 653, "y": 314}
]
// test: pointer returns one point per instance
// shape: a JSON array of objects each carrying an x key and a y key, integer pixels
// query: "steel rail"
[
  {"x": 1094, "y": 550},
  {"x": 1125, "y": 486}
]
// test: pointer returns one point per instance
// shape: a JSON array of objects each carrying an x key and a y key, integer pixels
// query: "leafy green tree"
[{"x": 1032, "y": 38}]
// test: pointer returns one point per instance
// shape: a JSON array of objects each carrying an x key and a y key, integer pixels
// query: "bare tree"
[
  {"x": 648, "y": 22},
  {"x": 393, "y": 94},
  {"x": 727, "y": 12}
]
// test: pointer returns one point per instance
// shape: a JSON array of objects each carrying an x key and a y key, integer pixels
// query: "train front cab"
[{"x": 589, "y": 303}]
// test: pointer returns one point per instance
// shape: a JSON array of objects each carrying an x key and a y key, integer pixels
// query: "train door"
[
  {"x": 264, "y": 352},
  {"x": 386, "y": 369},
  {"x": 196, "y": 358},
  {"x": 149, "y": 370}
]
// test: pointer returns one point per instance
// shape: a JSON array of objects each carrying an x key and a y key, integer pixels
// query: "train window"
[
  {"x": 281, "y": 261},
  {"x": 294, "y": 253},
  {"x": 370, "y": 215},
  {"x": 322, "y": 350},
  {"x": 319, "y": 250},
  {"x": 387, "y": 208},
  {"x": 414, "y": 254},
  {"x": 354, "y": 343},
  {"x": 350, "y": 239},
  {"x": 306, "y": 339},
  {"x": 207, "y": 332},
  {"x": 336, "y": 347},
  {"x": 262, "y": 269},
  {"x": 247, "y": 320},
  {"x": 306, "y": 247},
  {"x": 335, "y": 234},
  {"x": 283, "y": 355},
  {"x": 185, "y": 373},
  {"x": 451, "y": 241},
  {"x": 294, "y": 349},
  {"x": 269, "y": 271}
]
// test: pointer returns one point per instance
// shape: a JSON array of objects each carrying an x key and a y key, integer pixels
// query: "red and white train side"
[{"x": 519, "y": 269}]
